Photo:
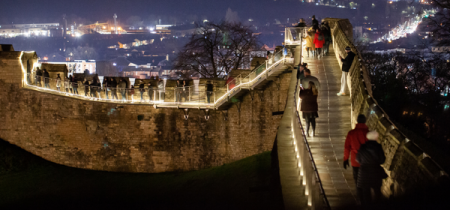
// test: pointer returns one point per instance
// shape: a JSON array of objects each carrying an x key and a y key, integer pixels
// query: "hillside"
[{"x": 28, "y": 181}]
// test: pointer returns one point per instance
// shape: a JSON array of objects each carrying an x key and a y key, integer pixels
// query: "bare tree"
[
  {"x": 412, "y": 80},
  {"x": 441, "y": 21},
  {"x": 215, "y": 49}
]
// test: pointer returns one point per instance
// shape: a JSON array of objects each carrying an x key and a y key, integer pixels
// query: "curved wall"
[{"x": 135, "y": 138}]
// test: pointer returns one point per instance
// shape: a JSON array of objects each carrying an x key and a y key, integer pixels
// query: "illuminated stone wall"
[
  {"x": 134, "y": 138},
  {"x": 408, "y": 166}
]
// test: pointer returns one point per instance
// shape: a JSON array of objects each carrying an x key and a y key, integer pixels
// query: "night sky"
[{"x": 52, "y": 10}]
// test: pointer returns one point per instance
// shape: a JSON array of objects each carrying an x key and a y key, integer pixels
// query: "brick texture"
[{"x": 135, "y": 138}]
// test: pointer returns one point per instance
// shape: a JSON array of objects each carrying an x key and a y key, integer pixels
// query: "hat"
[
  {"x": 372, "y": 135},
  {"x": 348, "y": 48}
]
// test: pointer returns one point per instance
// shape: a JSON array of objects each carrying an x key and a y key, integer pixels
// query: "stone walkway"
[{"x": 332, "y": 127}]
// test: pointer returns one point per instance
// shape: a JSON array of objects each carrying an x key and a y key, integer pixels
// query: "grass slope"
[{"x": 28, "y": 181}]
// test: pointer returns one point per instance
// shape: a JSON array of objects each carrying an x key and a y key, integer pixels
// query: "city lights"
[{"x": 408, "y": 27}]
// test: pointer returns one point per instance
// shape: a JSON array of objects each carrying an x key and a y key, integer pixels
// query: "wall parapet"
[{"x": 408, "y": 165}]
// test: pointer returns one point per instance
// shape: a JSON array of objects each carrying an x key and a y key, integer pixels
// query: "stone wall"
[
  {"x": 134, "y": 138},
  {"x": 408, "y": 166}
]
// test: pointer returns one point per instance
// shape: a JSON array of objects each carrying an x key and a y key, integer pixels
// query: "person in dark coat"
[
  {"x": 74, "y": 85},
  {"x": 179, "y": 90},
  {"x": 106, "y": 87},
  {"x": 86, "y": 87},
  {"x": 46, "y": 79},
  {"x": 142, "y": 89},
  {"x": 150, "y": 91},
  {"x": 300, "y": 72},
  {"x": 355, "y": 138},
  {"x": 346, "y": 64},
  {"x": 93, "y": 88},
  {"x": 327, "y": 32},
  {"x": 370, "y": 156},
  {"x": 309, "y": 107},
  {"x": 301, "y": 23},
  {"x": 38, "y": 76},
  {"x": 113, "y": 86},
  {"x": 315, "y": 23},
  {"x": 209, "y": 91}
]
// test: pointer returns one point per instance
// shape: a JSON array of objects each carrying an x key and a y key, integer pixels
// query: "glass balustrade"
[{"x": 188, "y": 95}]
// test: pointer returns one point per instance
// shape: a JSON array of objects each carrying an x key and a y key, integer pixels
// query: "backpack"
[{"x": 320, "y": 38}]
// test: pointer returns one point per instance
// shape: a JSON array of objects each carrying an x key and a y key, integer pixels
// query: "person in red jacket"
[
  {"x": 319, "y": 40},
  {"x": 355, "y": 138}
]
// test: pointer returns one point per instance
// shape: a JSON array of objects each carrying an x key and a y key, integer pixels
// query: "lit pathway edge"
[
  {"x": 248, "y": 82},
  {"x": 299, "y": 177}
]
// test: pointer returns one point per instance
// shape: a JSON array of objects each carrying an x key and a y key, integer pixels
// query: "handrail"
[
  {"x": 361, "y": 92},
  {"x": 313, "y": 163},
  {"x": 201, "y": 100}
]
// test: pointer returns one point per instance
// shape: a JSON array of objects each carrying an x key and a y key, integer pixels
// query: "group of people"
[
  {"x": 111, "y": 88},
  {"x": 366, "y": 155},
  {"x": 318, "y": 37},
  {"x": 42, "y": 75},
  {"x": 151, "y": 91},
  {"x": 361, "y": 145}
]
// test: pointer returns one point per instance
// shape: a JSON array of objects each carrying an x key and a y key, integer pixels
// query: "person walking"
[
  {"x": 301, "y": 72},
  {"x": 66, "y": 84},
  {"x": 150, "y": 92},
  {"x": 370, "y": 156},
  {"x": 142, "y": 89},
  {"x": 346, "y": 64},
  {"x": 113, "y": 86},
  {"x": 319, "y": 40},
  {"x": 131, "y": 93},
  {"x": 86, "y": 87},
  {"x": 106, "y": 87},
  {"x": 93, "y": 88},
  {"x": 315, "y": 23},
  {"x": 305, "y": 81},
  {"x": 161, "y": 89},
  {"x": 46, "y": 79},
  {"x": 99, "y": 88},
  {"x": 355, "y": 138},
  {"x": 123, "y": 88},
  {"x": 310, "y": 46},
  {"x": 58, "y": 82},
  {"x": 179, "y": 90},
  {"x": 328, "y": 39},
  {"x": 74, "y": 85},
  {"x": 38, "y": 76},
  {"x": 209, "y": 91},
  {"x": 309, "y": 107},
  {"x": 70, "y": 84}
]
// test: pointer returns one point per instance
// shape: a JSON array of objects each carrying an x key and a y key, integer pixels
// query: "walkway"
[{"x": 332, "y": 127}]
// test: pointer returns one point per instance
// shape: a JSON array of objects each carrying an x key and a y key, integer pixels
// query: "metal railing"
[
  {"x": 168, "y": 96},
  {"x": 317, "y": 198}
]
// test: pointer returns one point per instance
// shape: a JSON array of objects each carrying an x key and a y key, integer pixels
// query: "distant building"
[{"x": 35, "y": 29}]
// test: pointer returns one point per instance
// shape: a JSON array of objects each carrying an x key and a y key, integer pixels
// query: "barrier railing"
[
  {"x": 362, "y": 102},
  {"x": 317, "y": 198},
  {"x": 168, "y": 96},
  {"x": 293, "y": 35}
]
